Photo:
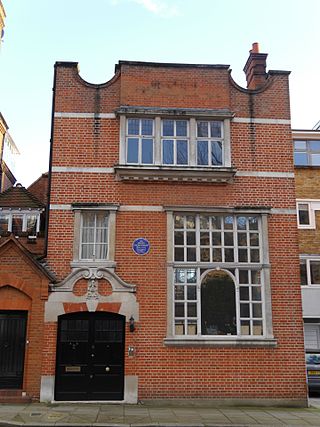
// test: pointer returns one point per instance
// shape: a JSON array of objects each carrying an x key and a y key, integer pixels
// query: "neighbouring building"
[
  {"x": 24, "y": 284},
  {"x": 8, "y": 154},
  {"x": 173, "y": 237},
  {"x": 307, "y": 173},
  {"x": 2, "y": 23}
]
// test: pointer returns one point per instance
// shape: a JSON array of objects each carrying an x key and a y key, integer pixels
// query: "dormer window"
[{"x": 19, "y": 223}]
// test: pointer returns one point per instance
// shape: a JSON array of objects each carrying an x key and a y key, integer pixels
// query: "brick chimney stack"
[{"x": 255, "y": 68}]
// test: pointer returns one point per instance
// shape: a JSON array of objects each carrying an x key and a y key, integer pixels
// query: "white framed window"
[
  {"x": 94, "y": 236},
  {"x": 312, "y": 336},
  {"x": 306, "y": 152},
  {"x": 20, "y": 223},
  {"x": 219, "y": 272},
  {"x": 140, "y": 141},
  {"x": 209, "y": 143},
  {"x": 306, "y": 213},
  {"x": 183, "y": 142},
  {"x": 310, "y": 271},
  {"x": 175, "y": 142}
]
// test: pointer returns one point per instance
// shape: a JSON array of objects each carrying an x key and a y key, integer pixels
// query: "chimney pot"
[
  {"x": 255, "y": 48},
  {"x": 255, "y": 68}
]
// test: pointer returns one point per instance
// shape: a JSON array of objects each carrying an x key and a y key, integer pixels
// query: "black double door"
[
  {"x": 90, "y": 356},
  {"x": 13, "y": 325}
]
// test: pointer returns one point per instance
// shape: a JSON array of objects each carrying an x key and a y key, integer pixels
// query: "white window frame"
[
  {"x": 305, "y": 259},
  {"x": 263, "y": 266},
  {"x": 25, "y": 215},
  {"x": 79, "y": 209},
  {"x": 140, "y": 137},
  {"x": 192, "y": 141},
  {"x": 175, "y": 140},
  {"x": 209, "y": 139},
  {"x": 313, "y": 206},
  {"x": 309, "y": 153},
  {"x": 94, "y": 243}
]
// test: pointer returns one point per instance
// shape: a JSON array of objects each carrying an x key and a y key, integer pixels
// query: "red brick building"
[
  {"x": 172, "y": 233},
  {"x": 24, "y": 285}
]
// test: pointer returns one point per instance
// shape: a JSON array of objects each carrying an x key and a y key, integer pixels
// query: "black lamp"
[{"x": 131, "y": 324}]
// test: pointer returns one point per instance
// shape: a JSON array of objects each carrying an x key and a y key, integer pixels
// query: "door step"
[{"x": 14, "y": 396}]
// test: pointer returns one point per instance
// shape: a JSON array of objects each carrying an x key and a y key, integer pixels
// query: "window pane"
[
  {"x": 315, "y": 159},
  {"x": 31, "y": 225},
  {"x": 216, "y": 255},
  {"x": 314, "y": 145},
  {"x": 205, "y": 239},
  {"x": 303, "y": 274},
  {"x": 179, "y": 328},
  {"x": 133, "y": 126},
  {"x": 147, "y": 127},
  {"x": 17, "y": 224},
  {"x": 255, "y": 277},
  {"x": 315, "y": 272},
  {"x": 168, "y": 127},
  {"x": 300, "y": 159},
  {"x": 228, "y": 239},
  {"x": 253, "y": 223},
  {"x": 87, "y": 251},
  {"x": 254, "y": 239},
  {"x": 191, "y": 292},
  {"x": 133, "y": 147},
  {"x": 191, "y": 254},
  {"x": 4, "y": 223},
  {"x": 241, "y": 222},
  {"x": 243, "y": 276},
  {"x": 178, "y": 221},
  {"x": 300, "y": 145},
  {"x": 244, "y": 310},
  {"x": 216, "y": 153},
  {"x": 242, "y": 254},
  {"x": 202, "y": 153},
  {"x": 204, "y": 222},
  {"x": 228, "y": 223},
  {"x": 218, "y": 309},
  {"x": 244, "y": 293},
  {"x": 242, "y": 239},
  {"x": 178, "y": 292},
  {"x": 245, "y": 327},
  {"x": 256, "y": 293},
  {"x": 88, "y": 219},
  {"x": 192, "y": 309},
  {"x": 254, "y": 255},
  {"x": 205, "y": 255},
  {"x": 192, "y": 328},
  {"x": 179, "y": 254},
  {"x": 215, "y": 129},
  {"x": 228, "y": 255},
  {"x": 191, "y": 276},
  {"x": 180, "y": 276},
  {"x": 147, "y": 151},
  {"x": 257, "y": 310},
  {"x": 191, "y": 222},
  {"x": 303, "y": 209},
  {"x": 257, "y": 327},
  {"x": 182, "y": 152},
  {"x": 202, "y": 129},
  {"x": 179, "y": 309},
  {"x": 191, "y": 238},
  {"x": 87, "y": 235},
  {"x": 216, "y": 222},
  {"x": 181, "y": 128},
  {"x": 101, "y": 219},
  {"x": 101, "y": 251},
  {"x": 178, "y": 238},
  {"x": 101, "y": 235},
  {"x": 167, "y": 151}
]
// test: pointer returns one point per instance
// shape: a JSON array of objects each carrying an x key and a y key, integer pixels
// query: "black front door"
[
  {"x": 12, "y": 348},
  {"x": 90, "y": 356}
]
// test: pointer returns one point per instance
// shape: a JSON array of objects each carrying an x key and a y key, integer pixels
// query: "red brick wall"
[
  {"x": 22, "y": 287},
  {"x": 170, "y": 371}
]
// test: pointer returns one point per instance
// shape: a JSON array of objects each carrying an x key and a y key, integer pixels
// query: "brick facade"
[{"x": 87, "y": 170}]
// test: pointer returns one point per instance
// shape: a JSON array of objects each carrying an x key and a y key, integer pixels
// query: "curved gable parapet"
[
  {"x": 74, "y": 66},
  {"x": 269, "y": 80},
  {"x": 92, "y": 273},
  {"x": 74, "y": 94},
  {"x": 268, "y": 101}
]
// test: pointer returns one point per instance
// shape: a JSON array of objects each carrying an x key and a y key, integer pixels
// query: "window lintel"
[
  {"x": 218, "y": 209},
  {"x": 219, "y": 114},
  {"x": 94, "y": 207}
]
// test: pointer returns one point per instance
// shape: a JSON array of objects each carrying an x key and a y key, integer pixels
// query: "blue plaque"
[{"x": 141, "y": 246}]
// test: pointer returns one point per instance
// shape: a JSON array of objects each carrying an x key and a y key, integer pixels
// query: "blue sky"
[{"x": 99, "y": 33}]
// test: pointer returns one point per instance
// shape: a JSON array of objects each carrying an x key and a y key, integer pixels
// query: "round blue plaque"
[{"x": 141, "y": 246}]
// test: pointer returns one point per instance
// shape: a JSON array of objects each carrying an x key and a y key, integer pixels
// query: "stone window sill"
[
  {"x": 175, "y": 173},
  {"x": 220, "y": 342}
]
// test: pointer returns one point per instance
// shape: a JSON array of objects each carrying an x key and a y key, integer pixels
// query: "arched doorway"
[
  {"x": 218, "y": 304},
  {"x": 90, "y": 356}
]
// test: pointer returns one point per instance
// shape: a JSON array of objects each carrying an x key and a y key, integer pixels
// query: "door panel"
[
  {"x": 90, "y": 357},
  {"x": 13, "y": 326}
]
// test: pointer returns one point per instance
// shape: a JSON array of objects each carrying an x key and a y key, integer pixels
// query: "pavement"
[{"x": 148, "y": 415}]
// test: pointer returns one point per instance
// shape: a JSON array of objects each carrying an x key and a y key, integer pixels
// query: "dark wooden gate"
[
  {"x": 13, "y": 325},
  {"x": 90, "y": 356}
]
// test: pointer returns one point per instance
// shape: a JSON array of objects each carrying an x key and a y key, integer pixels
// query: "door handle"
[
  {"x": 91, "y": 376},
  {"x": 107, "y": 369},
  {"x": 92, "y": 354}
]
